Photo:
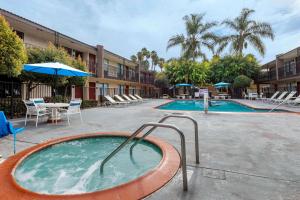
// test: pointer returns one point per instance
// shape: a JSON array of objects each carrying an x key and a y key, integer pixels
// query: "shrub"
[{"x": 241, "y": 81}]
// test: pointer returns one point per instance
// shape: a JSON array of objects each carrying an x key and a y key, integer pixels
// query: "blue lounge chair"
[{"x": 7, "y": 128}]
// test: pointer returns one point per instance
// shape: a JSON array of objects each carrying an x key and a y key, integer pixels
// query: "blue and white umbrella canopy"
[
  {"x": 221, "y": 85},
  {"x": 54, "y": 68}
]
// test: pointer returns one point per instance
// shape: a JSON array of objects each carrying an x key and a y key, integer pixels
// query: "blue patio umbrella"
[
  {"x": 221, "y": 85},
  {"x": 54, "y": 68},
  {"x": 183, "y": 84}
]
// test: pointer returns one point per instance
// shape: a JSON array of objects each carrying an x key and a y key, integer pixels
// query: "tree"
[
  {"x": 50, "y": 54},
  {"x": 154, "y": 59},
  {"x": 229, "y": 67},
  {"x": 161, "y": 62},
  {"x": 12, "y": 51},
  {"x": 187, "y": 71},
  {"x": 161, "y": 80},
  {"x": 133, "y": 58},
  {"x": 198, "y": 35},
  {"x": 142, "y": 59},
  {"x": 247, "y": 31},
  {"x": 242, "y": 82}
]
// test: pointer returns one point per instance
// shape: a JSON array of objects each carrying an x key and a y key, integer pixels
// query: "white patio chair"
[
  {"x": 33, "y": 109},
  {"x": 73, "y": 109}
]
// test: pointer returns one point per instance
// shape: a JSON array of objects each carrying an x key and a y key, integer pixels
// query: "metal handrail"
[
  {"x": 173, "y": 116},
  {"x": 183, "y": 149}
]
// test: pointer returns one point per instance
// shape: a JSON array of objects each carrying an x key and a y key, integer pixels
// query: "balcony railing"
[
  {"x": 120, "y": 76},
  {"x": 267, "y": 76}
]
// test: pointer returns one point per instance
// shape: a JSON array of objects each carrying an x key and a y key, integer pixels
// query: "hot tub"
[{"x": 68, "y": 168}]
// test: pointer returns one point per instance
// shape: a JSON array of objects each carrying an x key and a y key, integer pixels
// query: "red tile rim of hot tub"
[{"x": 135, "y": 189}]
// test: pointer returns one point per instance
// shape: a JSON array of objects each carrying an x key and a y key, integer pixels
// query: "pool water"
[
  {"x": 72, "y": 167},
  {"x": 217, "y": 106}
]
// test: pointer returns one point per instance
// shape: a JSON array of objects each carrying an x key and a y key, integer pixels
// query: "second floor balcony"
[{"x": 112, "y": 72}]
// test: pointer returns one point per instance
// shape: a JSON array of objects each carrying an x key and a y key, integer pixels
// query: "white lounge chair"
[
  {"x": 271, "y": 98},
  {"x": 280, "y": 97},
  {"x": 129, "y": 99},
  {"x": 134, "y": 98},
  {"x": 73, "y": 109},
  {"x": 288, "y": 97},
  {"x": 294, "y": 101},
  {"x": 139, "y": 97},
  {"x": 33, "y": 109},
  {"x": 121, "y": 99},
  {"x": 113, "y": 102}
]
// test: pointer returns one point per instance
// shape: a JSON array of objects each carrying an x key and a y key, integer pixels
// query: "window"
[
  {"x": 121, "y": 89},
  {"x": 120, "y": 69},
  {"x": 103, "y": 89},
  {"x": 106, "y": 64},
  {"x": 20, "y": 34},
  {"x": 290, "y": 68}
]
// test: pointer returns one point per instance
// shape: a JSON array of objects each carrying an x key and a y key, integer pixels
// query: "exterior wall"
[
  {"x": 32, "y": 41},
  {"x": 36, "y": 35},
  {"x": 286, "y": 67}
]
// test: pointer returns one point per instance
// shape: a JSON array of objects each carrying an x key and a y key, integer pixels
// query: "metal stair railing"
[
  {"x": 183, "y": 149},
  {"x": 164, "y": 119}
]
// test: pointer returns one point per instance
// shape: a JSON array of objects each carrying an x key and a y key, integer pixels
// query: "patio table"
[{"x": 54, "y": 107}]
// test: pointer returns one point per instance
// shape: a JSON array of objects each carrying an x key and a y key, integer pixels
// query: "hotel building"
[
  {"x": 111, "y": 73},
  {"x": 281, "y": 74}
]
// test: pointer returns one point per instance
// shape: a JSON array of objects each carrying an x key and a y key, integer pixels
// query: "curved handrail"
[
  {"x": 183, "y": 149},
  {"x": 174, "y": 116}
]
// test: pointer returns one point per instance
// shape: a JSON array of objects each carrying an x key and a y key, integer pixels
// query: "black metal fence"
[
  {"x": 11, "y": 99},
  {"x": 12, "y": 94}
]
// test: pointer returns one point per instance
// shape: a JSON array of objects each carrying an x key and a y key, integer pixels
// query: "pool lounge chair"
[
  {"x": 139, "y": 97},
  {"x": 120, "y": 99},
  {"x": 134, "y": 98},
  {"x": 280, "y": 97},
  {"x": 113, "y": 102},
  {"x": 287, "y": 98},
  {"x": 294, "y": 101},
  {"x": 129, "y": 99},
  {"x": 271, "y": 98}
]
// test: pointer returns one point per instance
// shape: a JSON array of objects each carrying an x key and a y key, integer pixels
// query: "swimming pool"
[{"x": 216, "y": 106}]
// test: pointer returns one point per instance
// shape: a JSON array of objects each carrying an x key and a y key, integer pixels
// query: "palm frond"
[
  {"x": 257, "y": 43},
  {"x": 176, "y": 40},
  {"x": 262, "y": 29},
  {"x": 230, "y": 24}
]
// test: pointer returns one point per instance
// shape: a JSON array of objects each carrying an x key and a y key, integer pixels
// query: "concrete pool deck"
[{"x": 242, "y": 156}]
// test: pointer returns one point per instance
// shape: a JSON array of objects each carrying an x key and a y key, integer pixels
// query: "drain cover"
[{"x": 214, "y": 173}]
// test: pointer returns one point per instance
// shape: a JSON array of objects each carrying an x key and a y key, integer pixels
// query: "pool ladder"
[{"x": 154, "y": 126}]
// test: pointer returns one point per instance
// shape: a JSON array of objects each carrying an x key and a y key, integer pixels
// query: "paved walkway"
[
  {"x": 262, "y": 105},
  {"x": 242, "y": 156}
]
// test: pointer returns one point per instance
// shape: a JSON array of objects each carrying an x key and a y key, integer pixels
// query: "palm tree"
[
  {"x": 198, "y": 35},
  {"x": 154, "y": 59},
  {"x": 161, "y": 62},
  {"x": 133, "y": 58},
  {"x": 247, "y": 31}
]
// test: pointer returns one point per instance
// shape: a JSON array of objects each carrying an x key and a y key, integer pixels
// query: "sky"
[{"x": 125, "y": 26}]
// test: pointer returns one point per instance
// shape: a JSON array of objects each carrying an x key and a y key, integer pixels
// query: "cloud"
[{"x": 126, "y": 26}]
